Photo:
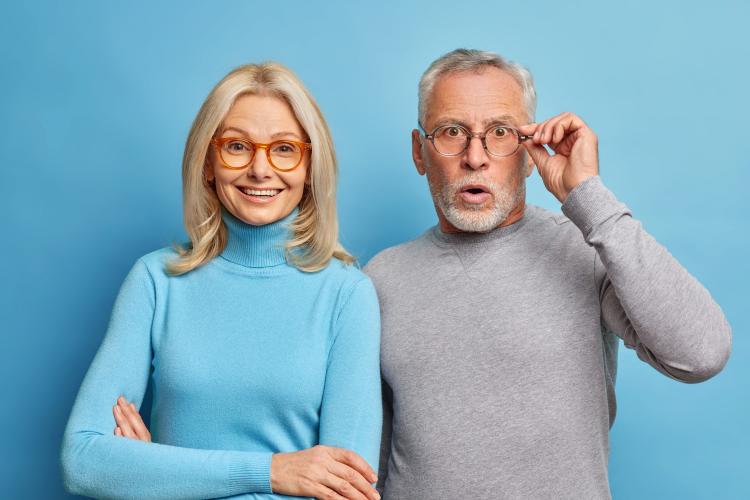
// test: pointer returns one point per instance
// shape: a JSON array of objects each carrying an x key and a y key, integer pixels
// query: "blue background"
[{"x": 97, "y": 98}]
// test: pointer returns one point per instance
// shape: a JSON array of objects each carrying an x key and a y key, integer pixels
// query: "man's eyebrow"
[
  {"x": 450, "y": 121},
  {"x": 495, "y": 120},
  {"x": 500, "y": 120}
]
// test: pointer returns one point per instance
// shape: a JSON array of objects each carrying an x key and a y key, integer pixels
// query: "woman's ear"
[{"x": 208, "y": 171}]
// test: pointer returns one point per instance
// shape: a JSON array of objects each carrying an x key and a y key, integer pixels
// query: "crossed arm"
[{"x": 101, "y": 463}]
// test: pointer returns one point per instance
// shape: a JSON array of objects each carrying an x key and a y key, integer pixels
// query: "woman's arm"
[
  {"x": 351, "y": 410},
  {"x": 320, "y": 471},
  {"x": 97, "y": 463}
]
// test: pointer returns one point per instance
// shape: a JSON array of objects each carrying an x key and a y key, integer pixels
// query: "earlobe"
[
  {"x": 416, "y": 151},
  {"x": 208, "y": 172}
]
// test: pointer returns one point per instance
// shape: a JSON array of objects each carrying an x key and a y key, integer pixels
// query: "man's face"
[{"x": 474, "y": 191}]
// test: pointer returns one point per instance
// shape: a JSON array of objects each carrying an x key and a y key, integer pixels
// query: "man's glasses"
[
  {"x": 284, "y": 156},
  {"x": 497, "y": 140}
]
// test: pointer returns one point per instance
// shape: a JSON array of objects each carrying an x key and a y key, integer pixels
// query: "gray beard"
[{"x": 478, "y": 218}]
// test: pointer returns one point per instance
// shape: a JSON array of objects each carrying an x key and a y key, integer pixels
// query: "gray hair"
[{"x": 474, "y": 60}]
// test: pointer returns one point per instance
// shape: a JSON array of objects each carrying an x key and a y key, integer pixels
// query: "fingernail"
[
  {"x": 376, "y": 496},
  {"x": 117, "y": 409},
  {"x": 132, "y": 406}
]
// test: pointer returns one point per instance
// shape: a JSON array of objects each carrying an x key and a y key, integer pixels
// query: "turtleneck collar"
[{"x": 256, "y": 246}]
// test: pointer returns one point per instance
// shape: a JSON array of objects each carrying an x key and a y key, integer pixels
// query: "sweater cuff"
[
  {"x": 251, "y": 474},
  {"x": 590, "y": 204}
]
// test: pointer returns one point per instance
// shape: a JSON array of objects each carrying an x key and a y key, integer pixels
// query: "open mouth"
[
  {"x": 259, "y": 195},
  {"x": 474, "y": 194}
]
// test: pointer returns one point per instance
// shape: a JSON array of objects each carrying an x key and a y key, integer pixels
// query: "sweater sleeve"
[
  {"x": 351, "y": 409},
  {"x": 647, "y": 298},
  {"x": 99, "y": 464}
]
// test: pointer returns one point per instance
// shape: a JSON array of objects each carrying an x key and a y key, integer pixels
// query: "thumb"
[{"x": 538, "y": 153}]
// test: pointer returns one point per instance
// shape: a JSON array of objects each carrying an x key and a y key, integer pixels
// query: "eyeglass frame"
[
  {"x": 219, "y": 142},
  {"x": 482, "y": 136}
]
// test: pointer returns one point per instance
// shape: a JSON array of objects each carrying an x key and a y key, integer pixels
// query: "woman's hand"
[
  {"x": 129, "y": 421},
  {"x": 323, "y": 472}
]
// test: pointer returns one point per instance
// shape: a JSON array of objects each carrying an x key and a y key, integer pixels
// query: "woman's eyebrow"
[
  {"x": 235, "y": 129},
  {"x": 282, "y": 134},
  {"x": 245, "y": 134}
]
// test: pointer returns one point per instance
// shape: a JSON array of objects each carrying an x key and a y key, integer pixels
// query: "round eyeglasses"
[
  {"x": 497, "y": 140},
  {"x": 237, "y": 153}
]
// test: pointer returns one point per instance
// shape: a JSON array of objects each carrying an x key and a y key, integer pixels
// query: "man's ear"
[
  {"x": 416, "y": 151},
  {"x": 529, "y": 164}
]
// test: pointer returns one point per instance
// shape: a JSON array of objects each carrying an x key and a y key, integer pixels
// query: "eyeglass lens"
[{"x": 282, "y": 154}]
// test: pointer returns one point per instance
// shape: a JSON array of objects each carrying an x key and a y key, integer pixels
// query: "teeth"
[{"x": 260, "y": 192}]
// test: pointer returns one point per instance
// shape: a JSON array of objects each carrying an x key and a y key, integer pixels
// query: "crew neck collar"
[{"x": 474, "y": 238}]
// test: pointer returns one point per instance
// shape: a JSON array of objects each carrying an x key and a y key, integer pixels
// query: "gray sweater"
[{"x": 499, "y": 350}]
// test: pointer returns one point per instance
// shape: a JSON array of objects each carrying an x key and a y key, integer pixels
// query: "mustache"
[{"x": 459, "y": 184}]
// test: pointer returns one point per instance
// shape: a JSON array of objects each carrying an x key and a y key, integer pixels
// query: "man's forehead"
[{"x": 476, "y": 96}]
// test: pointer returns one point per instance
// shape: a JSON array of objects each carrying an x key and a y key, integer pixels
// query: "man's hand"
[
  {"x": 129, "y": 421},
  {"x": 576, "y": 152}
]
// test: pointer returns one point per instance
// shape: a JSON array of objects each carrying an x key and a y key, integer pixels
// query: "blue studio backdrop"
[{"x": 97, "y": 99}]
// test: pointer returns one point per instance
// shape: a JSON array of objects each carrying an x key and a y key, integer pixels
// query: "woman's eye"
[
  {"x": 284, "y": 148},
  {"x": 235, "y": 146}
]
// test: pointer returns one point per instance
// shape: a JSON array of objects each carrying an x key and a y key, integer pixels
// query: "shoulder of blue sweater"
[
  {"x": 348, "y": 273},
  {"x": 155, "y": 261}
]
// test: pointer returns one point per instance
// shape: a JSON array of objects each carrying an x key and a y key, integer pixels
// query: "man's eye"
[
  {"x": 500, "y": 132},
  {"x": 453, "y": 131}
]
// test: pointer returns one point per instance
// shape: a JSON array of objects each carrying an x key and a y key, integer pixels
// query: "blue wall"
[{"x": 97, "y": 98}]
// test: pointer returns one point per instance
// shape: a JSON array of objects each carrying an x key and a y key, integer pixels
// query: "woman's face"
[{"x": 258, "y": 194}]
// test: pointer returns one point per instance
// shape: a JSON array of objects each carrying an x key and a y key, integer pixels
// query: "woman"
[{"x": 260, "y": 339}]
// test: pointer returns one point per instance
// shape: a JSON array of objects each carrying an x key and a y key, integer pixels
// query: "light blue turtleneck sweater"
[{"x": 247, "y": 356}]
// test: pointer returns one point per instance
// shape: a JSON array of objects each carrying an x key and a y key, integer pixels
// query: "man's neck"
[{"x": 514, "y": 216}]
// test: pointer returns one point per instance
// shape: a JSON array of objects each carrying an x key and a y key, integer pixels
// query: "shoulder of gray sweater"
[{"x": 388, "y": 261}]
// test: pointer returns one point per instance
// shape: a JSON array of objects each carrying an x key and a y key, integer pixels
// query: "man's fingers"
[
  {"x": 354, "y": 478},
  {"x": 528, "y": 129},
  {"x": 354, "y": 461},
  {"x": 118, "y": 431},
  {"x": 557, "y": 128}
]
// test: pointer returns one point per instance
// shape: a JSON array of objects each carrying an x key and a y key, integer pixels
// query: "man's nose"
[
  {"x": 475, "y": 156},
  {"x": 259, "y": 167}
]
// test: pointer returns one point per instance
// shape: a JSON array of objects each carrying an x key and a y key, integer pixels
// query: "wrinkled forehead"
[{"x": 475, "y": 97}]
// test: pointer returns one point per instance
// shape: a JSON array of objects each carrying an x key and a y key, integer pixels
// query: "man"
[{"x": 501, "y": 324}]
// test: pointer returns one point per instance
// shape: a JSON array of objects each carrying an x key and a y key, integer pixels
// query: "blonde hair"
[{"x": 315, "y": 229}]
